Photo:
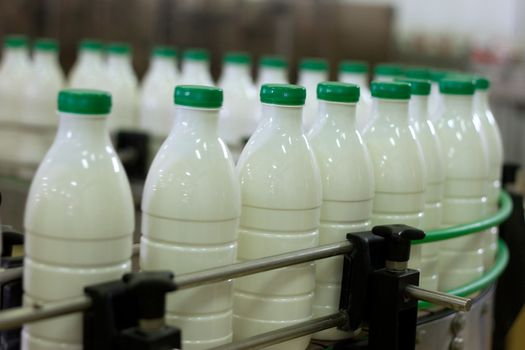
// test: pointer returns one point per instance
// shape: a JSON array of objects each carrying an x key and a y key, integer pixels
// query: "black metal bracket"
[
  {"x": 113, "y": 321},
  {"x": 373, "y": 295}
]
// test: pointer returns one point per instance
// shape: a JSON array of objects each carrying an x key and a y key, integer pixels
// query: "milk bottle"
[
  {"x": 39, "y": 117},
  {"x": 88, "y": 71},
  {"x": 122, "y": 83},
  {"x": 356, "y": 72},
  {"x": 237, "y": 121},
  {"x": 272, "y": 70},
  {"x": 191, "y": 208},
  {"x": 14, "y": 76},
  {"x": 417, "y": 73},
  {"x": 156, "y": 96},
  {"x": 281, "y": 200},
  {"x": 467, "y": 170},
  {"x": 196, "y": 67},
  {"x": 495, "y": 159},
  {"x": 79, "y": 218},
  {"x": 387, "y": 72},
  {"x": 399, "y": 167},
  {"x": 427, "y": 138},
  {"x": 348, "y": 188},
  {"x": 312, "y": 71}
]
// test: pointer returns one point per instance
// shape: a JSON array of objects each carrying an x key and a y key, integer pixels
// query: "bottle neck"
[
  {"x": 163, "y": 64},
  {"x": 481, "y": 100},
  {"x": 391, "y": 111},
  {"x": 284, "y": 118},
  {"x": 45, "y": 58},
  {"x": 459, "y": 105},
  {"x": 195, "y": 66},
  {"x": 196, "y": 121},
  {"x": 354, "y": 78},
  {"x": 90, "y": 57},
  {"x": 236, "y": 71},
  {"x": 13, "y": 56},
  {"x": 309, "y": 77},
  {"x": 86, "y": 129},
  {"x": 272, "y": 75},
  {"x": 339, "y": 115},
  {"x": 419, "y": 108}
]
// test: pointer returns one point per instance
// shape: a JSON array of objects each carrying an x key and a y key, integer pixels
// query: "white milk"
[
  {"x": 79, "y": 218},
  {"x": 492, "y": 135},
  {"x": 14, "y": 77},
  {"x": 237, "y": 121},
  {"x": 387, "y": 72},
  {"x": 348, "y": 188},
  {"x": 196, "y": 68},
  {"x": 356, "y": 72},
  {"x": 156, "y": 96},
  {"x": 191, "y": 207},
  {"x": 312, "y": 71},
  {"x": 39, "y": 118},
  {"x": 466, "y": 169},
  {"x": 399, "y": 167},
  {"x": 427, "y": 138},
  {"x": 89, "y": 69},
  {"x": 123, "y": 85},
  {"x": 272, "y": 70},
  {"x": 281, "y": 207}
]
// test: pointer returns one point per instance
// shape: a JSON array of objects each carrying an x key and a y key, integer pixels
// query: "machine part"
[
  {"x": 458, "y": 323},
  {"x": 505, "y": 202},
  {"x": 447, "y": 300},
  {"x": 458, "y": 343}
]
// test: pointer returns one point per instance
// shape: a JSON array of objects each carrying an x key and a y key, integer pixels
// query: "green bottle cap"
[
  {"x": 119, "y": 49},
  {"x": 46, "y": 45},
  {"x": 273, "y": 61},
  {"x": 482, "y": 83},
  {"x": 164, "y": 51},
  {"x": 196, "y": 54},
  {"x": 388, "y": 69},
  {"x": 417, "y": 73},
  {"x": 91, "y": 45},
  {"x": 459, "y": 86},
  {"x": 418, "y": 87},
  {"x": 338, "y": 92},
  {"x": 283, "y": 94},
  {"x": 390, "y": 90},
  {"x": 353, "y": 67},
  {"x": 318, "y": 64},
  {"x": 14, "y": 41},
  {"x": 198, "y": 96},
  {"x": 237, "y": 57},
  {"x": 81, "y": 101}
]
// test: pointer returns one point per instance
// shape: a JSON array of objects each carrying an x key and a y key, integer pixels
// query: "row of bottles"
[{"x": 291, "y": 189}]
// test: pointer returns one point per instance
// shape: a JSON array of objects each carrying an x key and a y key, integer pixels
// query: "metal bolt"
[
  {"x": 458, "y": 323},
  {"x": 457, "y": 344}
]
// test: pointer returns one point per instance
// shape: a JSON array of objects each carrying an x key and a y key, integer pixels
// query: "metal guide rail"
[{"x": 375, "y": 275}]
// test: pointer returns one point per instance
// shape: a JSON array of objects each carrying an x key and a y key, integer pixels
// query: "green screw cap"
[
  {"x": 482, "y": 83},
  {"x": 119, "y": 49},
  {"x": 353, "y": 67},
  {"x": 418, "y": 87},
  {"x": 313, "y": 64},
  {"x": 237, "y": 57},
  {"x": 388, "y": 69},
  {"x": 81, "y": 101},
  {"x": 46, "y": 45},
  {"x": 164, "y": 51},
  {"x": 338, "y": 92},
  {"x": 14, "y": 41},
  {"x": 273, "y": 61},
  {"x": 460, "y": 86},
  {"x": 390, "y": 90},
  {"x": 198, "y": 96},
  {"x": 196, "y": 54},
  {"x": 283, "y": 94},
  {"x": 92, "y": 45},
  {"x": 417, "y": 73}
]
